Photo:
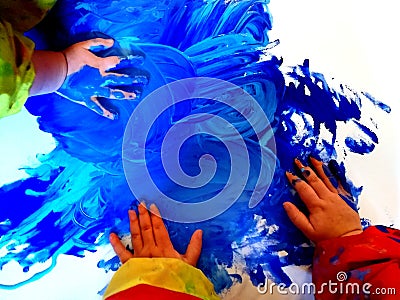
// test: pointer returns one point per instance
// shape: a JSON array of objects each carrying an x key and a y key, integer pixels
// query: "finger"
[
  {"x": 305, "y": 191},
  {"x": 336, "y": 169},
  {"x": 117, "y": 94},
  {"x": 113, "y": 80},
  {"x": 104, "y": 64},
  {"x": 299, "y": 219},
  {"x": 325, "y": 175},
  {"x": 98, "y": 108},
  {"x": 146, "y": 228},
  {"x": 193, "y": 251},
  {"x": 136, "y": 237},
  {"x": 161, "y": 235},
  {"x": 313, "y": 180},
  {"x": 123, "y": 254},
  {"x": 131, "y": 61},
  {"x": 125, "y": 79},
  {"x": 97, "y": 42}
]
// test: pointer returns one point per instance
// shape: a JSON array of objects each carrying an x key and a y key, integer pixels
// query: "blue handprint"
[{"x": 94, "y": 74}]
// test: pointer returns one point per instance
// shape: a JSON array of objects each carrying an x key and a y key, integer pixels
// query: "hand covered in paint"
[
  {"x": 150, "y": 238},
  {"x": 329, "y": 215},
  {"x": 92, "y": 79}
]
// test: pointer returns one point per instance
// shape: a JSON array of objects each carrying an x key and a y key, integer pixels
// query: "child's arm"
[{"x": 348, "y": 263}]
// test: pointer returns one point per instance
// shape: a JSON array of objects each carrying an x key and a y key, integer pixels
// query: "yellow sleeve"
[
  {"x": 16, "y": 69},
  {"x": 168, "y": 273}
]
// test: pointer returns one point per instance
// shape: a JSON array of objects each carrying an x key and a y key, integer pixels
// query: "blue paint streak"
[
  {"x": 67, "y": 209},
  {"x": 335, "y": 259},
  {"x": 376, "y": 102}
]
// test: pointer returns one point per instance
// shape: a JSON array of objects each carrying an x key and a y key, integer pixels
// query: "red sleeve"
[{"x": 363, "y": 266}]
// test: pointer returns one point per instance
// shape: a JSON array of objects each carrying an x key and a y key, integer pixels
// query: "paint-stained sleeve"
[
  {"x": 16, "y": 69},
  {"x": 363, "y": 266},
  {"x": 165, "y": 278}
]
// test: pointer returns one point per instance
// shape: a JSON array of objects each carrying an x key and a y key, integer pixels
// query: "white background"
[{"x": 354, "y": 41}]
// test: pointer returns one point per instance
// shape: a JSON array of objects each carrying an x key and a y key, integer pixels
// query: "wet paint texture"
[{"x": 79, "y": 193}]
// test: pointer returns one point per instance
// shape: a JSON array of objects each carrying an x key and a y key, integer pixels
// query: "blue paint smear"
[
  {"x": 73, "y": 200},
  {"x": 335, "y": 259},
  {"x": 365, "y": 145},
  {"x": 360, "y": 275}
]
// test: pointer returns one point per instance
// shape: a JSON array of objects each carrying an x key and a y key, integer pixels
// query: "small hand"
[
  {"x": 150, "y": 238},
  {"x": 79, "y": 55},
  {"x": 330, "y": 216},
  {"x": 90, "y": 78}
]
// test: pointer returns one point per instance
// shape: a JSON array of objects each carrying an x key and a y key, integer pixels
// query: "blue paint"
[
  {"x": 359, "y": 146},
  {"x": 112, "y": 264},
  {"x": 365, "y": 145},
  {"x": 382, "y": 228},
  {"x": 74, "y": 204},
  {"x": 397, "y": 240},
  {"x": 376, "y": 102},
  {"x": 335, "y": 259},
  {"x": 360, "y": 275},
  {"x": 257, "y": 276},
  {"x": 330, "y": 176}
]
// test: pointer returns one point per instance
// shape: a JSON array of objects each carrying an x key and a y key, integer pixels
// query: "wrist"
[
  {"x": 50, "y": 72},
  {"x": 353, "y": 232}
]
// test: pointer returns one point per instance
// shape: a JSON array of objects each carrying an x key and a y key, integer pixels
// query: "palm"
[{"x": 150, "y": 239}]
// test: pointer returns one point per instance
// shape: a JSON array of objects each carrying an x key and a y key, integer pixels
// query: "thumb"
[
  {"x": 194, "y": 248},
  {"x": 97, "y": 42},
  {"x": 299, "y": 219},
  {"x": 119, "y": 248},
  {"x": 95, "y": 105}
]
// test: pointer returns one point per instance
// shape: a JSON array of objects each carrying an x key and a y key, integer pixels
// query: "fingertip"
[
  {"x": 315, "y": 162},
  {"x": 293, "y": 179},
  {"x": 111, "y": 116},
  {"x": 199, "y": 234},
  {"x": 298, "y": 163},
  {"x": 289, "y": 207},
  {"x": 142, "y": 206},
  {"x": 105, "y": 42},
  {"x": 154, "y": 209},
  {"x": 113, "y": 237},
  {"x": 289, "y": 175},
  {"x": 132, "y": 215}
]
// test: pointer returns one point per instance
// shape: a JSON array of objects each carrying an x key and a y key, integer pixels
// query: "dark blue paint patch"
[
  {"x": 359, "y": 146},
  {"x": 382, "y": 228},
  {"x": 257, "y": 276},
  {"x": 330, "y": 176},
  {"x": 365, "y": 223},
  {"x": 395, "y": 239},
  {"x": 236, "y": 277}
]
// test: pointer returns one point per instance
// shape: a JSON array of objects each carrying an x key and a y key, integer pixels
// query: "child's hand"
[
  {"x": 150, "y": 238},
  {"x": 92, "y": 79},
  {"x": 330, "y": 216}
]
